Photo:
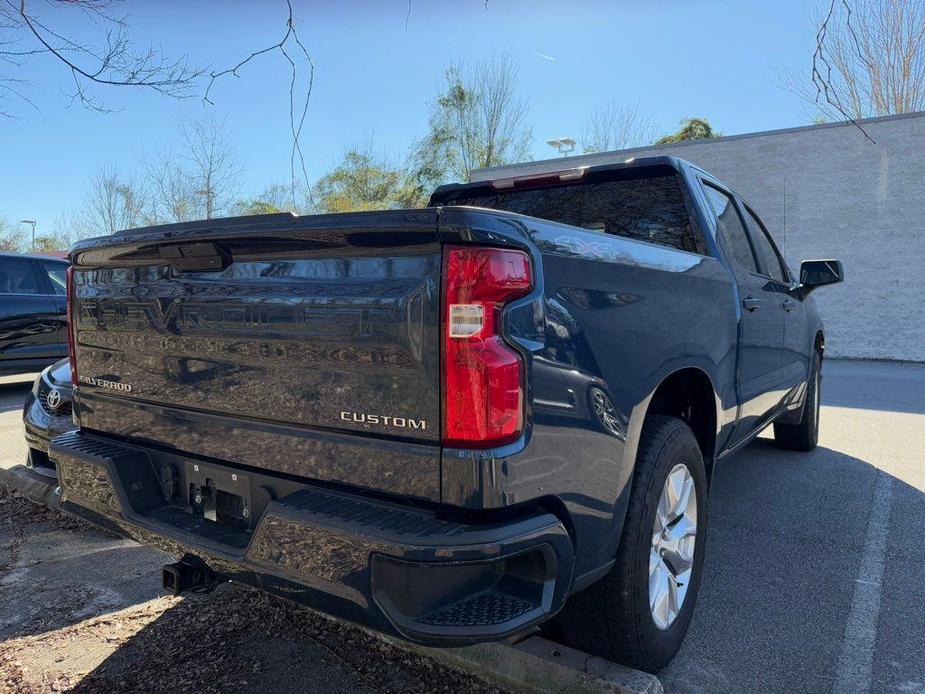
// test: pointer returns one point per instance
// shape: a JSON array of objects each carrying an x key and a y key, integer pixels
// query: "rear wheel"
[
  {"x": 639, "y": 612},
  {"x": 804, "y": 435}
]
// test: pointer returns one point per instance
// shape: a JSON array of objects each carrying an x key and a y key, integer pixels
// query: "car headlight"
[{"x": 35, "y": 384}]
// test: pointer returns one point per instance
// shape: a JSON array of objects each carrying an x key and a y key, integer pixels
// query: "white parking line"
[{"x": 855, "y": 662}]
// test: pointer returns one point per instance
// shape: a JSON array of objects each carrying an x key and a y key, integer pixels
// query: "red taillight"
[
  {"x": 482, "y": 375},
  {"x": 71, "y": 352}
]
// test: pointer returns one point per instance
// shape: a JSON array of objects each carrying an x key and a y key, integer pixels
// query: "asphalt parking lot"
[{"x": 813, "y": 580}]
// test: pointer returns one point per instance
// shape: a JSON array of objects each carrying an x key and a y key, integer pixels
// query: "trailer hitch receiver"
[{"x": 190, "y": 573}]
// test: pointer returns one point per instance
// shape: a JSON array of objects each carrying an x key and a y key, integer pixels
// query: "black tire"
[
  {"x": 612, "y": 618},
  {"x": 804, "y": 435}
]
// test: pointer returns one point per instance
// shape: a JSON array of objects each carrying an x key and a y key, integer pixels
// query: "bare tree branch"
[
  {"x": 869, "y": 59},
  {"x": 822, "y": 77},
  {"x": 12, "y": 86},
  {"x": 296, "y": 115},
  {"x": 297, "y": 129},
  {"x": 116, "y": 65}
]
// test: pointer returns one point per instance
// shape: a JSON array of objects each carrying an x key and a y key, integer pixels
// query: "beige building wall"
[{"x": 826, "y": 191}]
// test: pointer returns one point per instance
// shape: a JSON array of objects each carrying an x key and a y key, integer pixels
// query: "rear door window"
[
  {"x": 730, "y": 227},
  {"x": 18, "y": 277},
  {"x": 57, "y": 277},
  {"x": 771, "y": 262}
]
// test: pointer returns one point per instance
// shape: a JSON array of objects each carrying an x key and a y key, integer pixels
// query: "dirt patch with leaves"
[
  {"x": 138, "y": 640},
  {"x": 16, "y": 514}
]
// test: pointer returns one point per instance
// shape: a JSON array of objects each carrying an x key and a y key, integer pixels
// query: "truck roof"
[{"x": 661, "y": 161}]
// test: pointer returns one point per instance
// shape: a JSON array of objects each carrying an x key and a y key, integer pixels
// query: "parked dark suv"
[{"x": 33, "y": 312}]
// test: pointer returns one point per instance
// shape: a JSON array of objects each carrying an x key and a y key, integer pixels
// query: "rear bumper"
[{"x": 390, "y": 566}]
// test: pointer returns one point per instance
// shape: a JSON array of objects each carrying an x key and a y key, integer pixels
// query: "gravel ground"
[{"x": 61, "y": 630}]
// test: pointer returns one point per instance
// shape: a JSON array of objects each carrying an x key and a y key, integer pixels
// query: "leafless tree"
[
  {"x": 172, "y": 193},
  {"x": 198, "y": 178},
  {"x": 477, "y": 120},
  {"x": 612, "y": 126},
  {"x": 498, "y": 122},
  {"x": 71, "y": 226},
  {"x": 869, "y": 59},
  {"x": 114, "y": 202},
  {"x": 212, "y": 163}
]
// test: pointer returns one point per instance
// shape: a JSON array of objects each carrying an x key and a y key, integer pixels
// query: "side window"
[
  {"x": 57, "y": 275},
  {"x": 17, "y": 277},
  {"x": 730, "y": 227},
  {"x": 773, "y": 265}
]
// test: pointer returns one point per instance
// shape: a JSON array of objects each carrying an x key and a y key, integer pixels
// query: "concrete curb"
[
  {"x": 32, "y": 485},
  {"x": 536, "y": 665}
]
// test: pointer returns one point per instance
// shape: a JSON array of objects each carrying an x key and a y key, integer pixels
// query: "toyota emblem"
[{"x": 53, "y": 399}]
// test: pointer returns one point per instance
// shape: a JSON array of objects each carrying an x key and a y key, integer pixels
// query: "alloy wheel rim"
[
  {"x": 674, "y": 540},
  {"x": 605, "y": 411}
]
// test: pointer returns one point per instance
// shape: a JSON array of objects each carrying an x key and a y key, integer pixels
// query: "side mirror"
[{"x": 816, "y": 273}]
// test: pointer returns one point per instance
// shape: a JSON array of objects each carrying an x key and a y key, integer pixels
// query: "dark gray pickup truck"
[{"x": 455, "y": 423}]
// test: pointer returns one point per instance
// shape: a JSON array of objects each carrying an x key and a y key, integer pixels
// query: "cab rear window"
[{"x": 648, "y": 209}]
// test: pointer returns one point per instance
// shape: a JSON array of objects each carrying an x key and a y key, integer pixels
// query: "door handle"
[
  {"x": 62, "y": 309},
  {"x": 789, "y": 305},
  {"x": 751, "y": 304}
]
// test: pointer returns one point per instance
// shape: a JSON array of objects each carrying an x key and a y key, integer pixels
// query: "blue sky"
[{"x": 674, "y": 58}]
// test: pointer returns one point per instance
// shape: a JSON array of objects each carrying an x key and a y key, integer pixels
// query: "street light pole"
[
  {"x": 32, "y": 222},
  {"x": 563, "y": 145}
]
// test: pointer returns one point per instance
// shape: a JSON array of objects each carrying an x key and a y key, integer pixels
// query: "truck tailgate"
[{"x": 307, "y": 346}]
